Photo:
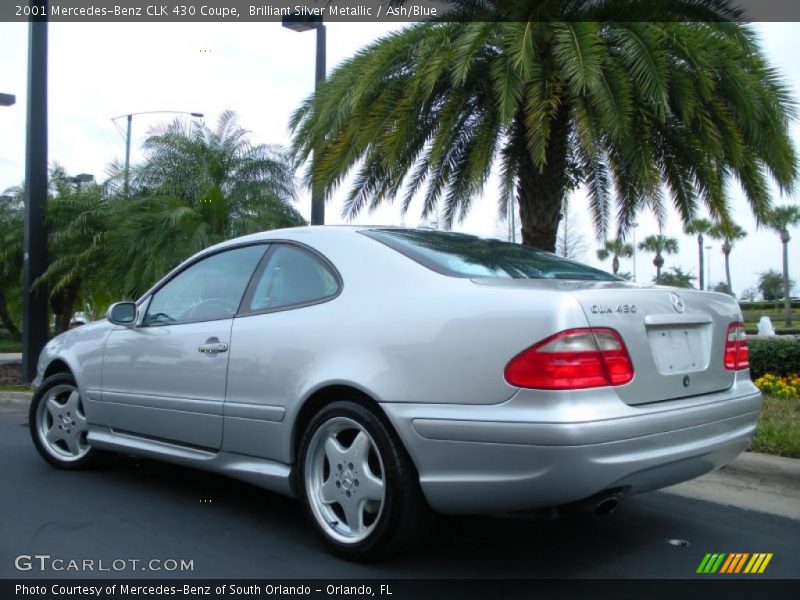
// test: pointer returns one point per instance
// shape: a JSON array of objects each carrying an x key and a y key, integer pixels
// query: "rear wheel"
[
  {"x": 58, "y": 423},
  {"x": 358, "y": 485}
]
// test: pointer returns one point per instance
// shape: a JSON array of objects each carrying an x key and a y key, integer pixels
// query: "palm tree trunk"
[
  {"x": 658, "y": 261},
  {"x": 727, "y": 252},
  {"x": 8, "y": 322},
  {"x": 787, "y": 301},
  {"x": 701, "y": 278},
  {"x": 63, "y": 304},
  {"x": 540, "y": 192}
]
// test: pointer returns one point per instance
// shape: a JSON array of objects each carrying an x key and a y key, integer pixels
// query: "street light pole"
[
  {"x": 306, "y": 24},
  {"x": 633, "y": 233},
  {"x": 34, "y": 262},
  {"x": 512, "y": 237},
  {"x": 129, "y": 118},
  {"x": 317, "y": 193},
  {"x": 128, "y": 154},
  {"x": 708, "y": 268}
]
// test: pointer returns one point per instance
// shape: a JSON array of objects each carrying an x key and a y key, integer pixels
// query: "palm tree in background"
[
  {"x": 728, "y": 236},
  {"x": 660, "y": 245},
  {"x": 77, "y": 228},
  {"x": 78, "y": 222},
  {"x": 616, "y": 248},
  {"x": 780, "y": 219},
  {"x": 11, "y": 228},
  {"x": 198, "y": 187},
  {"x": 699, "y": 227},
  {"x": 634, "y": 100}
]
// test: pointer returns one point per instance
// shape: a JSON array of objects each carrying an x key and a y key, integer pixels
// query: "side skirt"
[{"x": 267, "y": 474}]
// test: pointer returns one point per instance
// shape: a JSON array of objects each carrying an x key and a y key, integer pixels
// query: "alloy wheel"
[{"x": 344, "y": 480}]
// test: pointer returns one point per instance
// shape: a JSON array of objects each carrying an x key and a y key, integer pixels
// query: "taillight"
[
  {"x": 737, "y": 355},
  {"x": 573, "y": 359}
]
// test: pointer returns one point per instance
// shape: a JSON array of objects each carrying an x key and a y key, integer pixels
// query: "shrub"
[
  {"x": 764, "y": 305},
  {"x": 780, "y": 357},
  {"x": 780, "y": 387}
]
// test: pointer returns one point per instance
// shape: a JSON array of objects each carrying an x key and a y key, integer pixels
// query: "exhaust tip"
[{"x": 606, "y": 506}]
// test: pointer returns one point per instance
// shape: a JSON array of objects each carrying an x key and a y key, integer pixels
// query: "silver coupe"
[{"x": 383, "y": 374}]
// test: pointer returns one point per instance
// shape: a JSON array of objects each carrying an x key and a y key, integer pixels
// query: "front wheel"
[
  {"x": 58, "y": 423},
  {"x": 358, "y": 485}
]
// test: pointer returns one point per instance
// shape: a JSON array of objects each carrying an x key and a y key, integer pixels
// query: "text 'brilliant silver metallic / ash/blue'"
[{"x": 380, "y": 374}]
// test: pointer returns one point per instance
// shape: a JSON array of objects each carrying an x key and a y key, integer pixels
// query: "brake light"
[
  {"x": 737, "y": 354},
  {"x": 573, "y": 359}
]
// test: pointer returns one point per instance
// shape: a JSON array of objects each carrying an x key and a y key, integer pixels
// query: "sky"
[{"x": 262, "y": 72}]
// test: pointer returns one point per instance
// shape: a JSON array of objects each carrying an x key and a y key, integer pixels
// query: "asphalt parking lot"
[{"x": 135, "y": 509}]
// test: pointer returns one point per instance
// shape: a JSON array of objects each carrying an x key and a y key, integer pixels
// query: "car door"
[
  {"x": 165, "y": 376},
  {"x": 275, "y": 338}
]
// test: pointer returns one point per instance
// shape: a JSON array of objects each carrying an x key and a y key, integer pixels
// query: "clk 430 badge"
[{"x": 602, "y": 309}]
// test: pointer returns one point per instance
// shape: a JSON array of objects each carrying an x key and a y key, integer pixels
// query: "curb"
[
  {"x": 754, "y": 481},
  {"x": 10, "y": 358}
]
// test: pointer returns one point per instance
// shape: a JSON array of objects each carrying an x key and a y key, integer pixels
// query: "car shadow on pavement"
[{"x": 463, "y": 546}]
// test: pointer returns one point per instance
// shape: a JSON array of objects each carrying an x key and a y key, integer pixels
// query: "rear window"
[{"x": 460, "y": 255}]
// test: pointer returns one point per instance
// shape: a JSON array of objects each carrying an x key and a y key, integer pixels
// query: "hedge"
[
  {"x": 780, "y": 356},
  {"x": 767, "y": 305}
]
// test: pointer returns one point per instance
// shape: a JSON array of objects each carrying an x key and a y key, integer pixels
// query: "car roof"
[
  {"x": 308, "y": 232},
  {"x": 333, "y": 236}
]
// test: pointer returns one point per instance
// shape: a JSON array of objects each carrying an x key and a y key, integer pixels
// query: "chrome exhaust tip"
[{"x": 606, "y": 506}]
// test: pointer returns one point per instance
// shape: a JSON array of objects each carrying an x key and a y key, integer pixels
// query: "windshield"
[{"x": 460, "y": 255}]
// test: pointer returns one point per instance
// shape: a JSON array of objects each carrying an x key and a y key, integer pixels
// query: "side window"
[
  {"x": 208, "y": 290},
  {"x": 292, "y": 276}
]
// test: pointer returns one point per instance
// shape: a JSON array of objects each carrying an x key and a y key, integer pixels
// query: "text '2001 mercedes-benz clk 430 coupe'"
[{"x": 381, "y": 374}]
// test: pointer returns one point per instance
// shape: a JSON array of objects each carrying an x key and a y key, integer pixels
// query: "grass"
[
  {"x": 751, "y": 317},
  {"x": 7, "y": 345},
  {"x": 778, "y": 430},
  {"x": 14, "y": 388}
]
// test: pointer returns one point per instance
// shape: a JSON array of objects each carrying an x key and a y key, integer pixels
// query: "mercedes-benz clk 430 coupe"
[{"x": 379, "y": 373}]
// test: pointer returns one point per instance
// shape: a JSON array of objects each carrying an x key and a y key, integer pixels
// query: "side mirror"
[{"x": 122, "y": 313}]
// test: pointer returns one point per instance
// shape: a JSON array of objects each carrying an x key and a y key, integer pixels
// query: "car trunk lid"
[{"x": 675, "y": 337}]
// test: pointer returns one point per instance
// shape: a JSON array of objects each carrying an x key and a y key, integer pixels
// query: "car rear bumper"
[{"x": 543, "y": 449}]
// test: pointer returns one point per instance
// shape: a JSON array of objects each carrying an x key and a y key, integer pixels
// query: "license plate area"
[{"x": 680, "y": 348}]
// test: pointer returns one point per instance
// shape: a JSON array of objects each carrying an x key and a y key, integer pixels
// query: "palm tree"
[
  {"x": 79, "y": 218},
  {"x": 699, "y": 227},
  {"x": 728, "y": 236},
  {"x": 780, "y": 219},
  {"x": 616, "y": 248},
  {"x": 195, "y": 188},
  {"x": 563, "y": 94},
  {"x": 660, "y": 245},
  {"x": 11, "y": 223}
]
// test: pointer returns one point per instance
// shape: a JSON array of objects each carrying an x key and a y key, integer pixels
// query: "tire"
[
  {"x": 358, "y": 485},
  {"x": 58, "y": 424}
]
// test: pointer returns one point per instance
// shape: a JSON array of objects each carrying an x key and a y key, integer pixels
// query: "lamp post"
[
  {"x": 81, "y": 178},
  {"x": 129, "y": 118},
  {"x": 300, "y": 24},
  {"x": 708, "y": 269},
  {"x": 8, "y": 99},
  {"x": 633, "y": 235},
  {"x": 35, "y": 328},
  {"x": 512, "y": 224}
]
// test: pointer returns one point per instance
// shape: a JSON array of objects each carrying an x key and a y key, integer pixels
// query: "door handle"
[{"x": 213, "y": 347}]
